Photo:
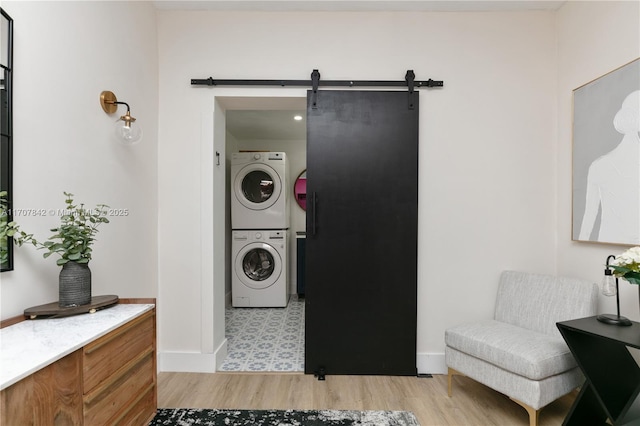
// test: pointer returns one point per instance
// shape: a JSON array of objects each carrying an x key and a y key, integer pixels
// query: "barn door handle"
[{"x": 314, "y": 217}]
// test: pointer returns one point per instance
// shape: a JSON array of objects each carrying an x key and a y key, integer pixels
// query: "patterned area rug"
[{"x": 209, "y": 417}]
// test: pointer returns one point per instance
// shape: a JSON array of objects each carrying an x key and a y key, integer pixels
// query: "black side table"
[{"x": 612, "y": 388}]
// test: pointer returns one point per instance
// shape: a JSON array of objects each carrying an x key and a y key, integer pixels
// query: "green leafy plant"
[
  {"x": 72, "y": 240},
  {"x": 4, "y": 228},
  {"x": 627, "y": 265}
]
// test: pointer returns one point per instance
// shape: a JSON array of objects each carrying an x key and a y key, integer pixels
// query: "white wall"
[
  {"x": 231, "y": 145},
  {"x": 66, "y": 54},
  {"x": 594, "y": 38},
  {"x": 487, "y": 146}
]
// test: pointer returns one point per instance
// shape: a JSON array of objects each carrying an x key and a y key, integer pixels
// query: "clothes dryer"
[
  {"x": 260, "y": 190},
  {"x": 259, "y": 268}
]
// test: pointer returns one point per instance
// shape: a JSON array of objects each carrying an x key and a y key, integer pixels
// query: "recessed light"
[{"x": 297, "y": 117}]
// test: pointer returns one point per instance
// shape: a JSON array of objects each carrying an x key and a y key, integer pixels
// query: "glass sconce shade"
[
  {"x": 608, "y": 284},
  {"x": 127, "y": 131}
]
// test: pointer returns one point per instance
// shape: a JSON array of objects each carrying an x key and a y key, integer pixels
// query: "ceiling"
[
  {"x": 360, "y": 5},
  {"x": 267, "y": 124}
]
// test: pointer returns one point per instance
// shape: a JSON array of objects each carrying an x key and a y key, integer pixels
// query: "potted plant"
[
  {"x": 627, "y": 265},
  {"x": 4, "y": 229},
  {"x": 71, "y": 241}
]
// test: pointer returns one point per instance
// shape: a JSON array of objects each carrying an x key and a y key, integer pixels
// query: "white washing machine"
[
  {"x": 259, "y": 268},
  {"x": 260, "y": 190}
]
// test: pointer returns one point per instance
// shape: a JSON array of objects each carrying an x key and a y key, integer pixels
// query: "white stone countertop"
[{"x": 31, "y": 345}]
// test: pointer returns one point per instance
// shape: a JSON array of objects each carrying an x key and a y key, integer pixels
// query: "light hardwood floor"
[{"x": 471, "y": 403}]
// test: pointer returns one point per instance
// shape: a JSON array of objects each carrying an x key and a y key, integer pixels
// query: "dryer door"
[
  {"x": 258, "y": 265},
  {"x": 257, "y": 186}
]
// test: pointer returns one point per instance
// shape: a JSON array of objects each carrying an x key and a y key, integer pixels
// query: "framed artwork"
[{"x": 606, "y": 158}]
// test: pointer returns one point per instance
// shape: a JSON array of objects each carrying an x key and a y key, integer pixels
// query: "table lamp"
[{"x": 610, "y": 288}]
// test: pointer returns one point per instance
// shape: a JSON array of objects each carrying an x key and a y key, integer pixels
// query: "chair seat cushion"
[{"x": 519, "y": 350}]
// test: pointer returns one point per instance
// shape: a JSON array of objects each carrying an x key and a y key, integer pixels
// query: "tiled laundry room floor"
[{"x": 265, "y": 339}]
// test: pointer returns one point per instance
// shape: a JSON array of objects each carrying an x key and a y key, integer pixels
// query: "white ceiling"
[
  {"x": 267, "y": 124},
  {"x": 359, "y": 5}
]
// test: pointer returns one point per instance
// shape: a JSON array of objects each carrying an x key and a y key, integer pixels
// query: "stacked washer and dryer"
[{"x": 260, "y": 223}]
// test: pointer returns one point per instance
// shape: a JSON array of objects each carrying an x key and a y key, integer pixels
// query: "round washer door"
[
  {"x": 257, "y": 186},
  {"x": 258, "y": 265}
]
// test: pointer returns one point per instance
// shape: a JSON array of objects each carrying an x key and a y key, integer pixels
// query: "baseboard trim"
[
  {"x": 431, "y": 363},
  {"x": 193, "y": 362},
  {"x": 221, "y": 353},
  {"x": 186, "y": 362}
]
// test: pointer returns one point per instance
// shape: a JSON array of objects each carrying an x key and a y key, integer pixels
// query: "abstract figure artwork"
[{"x": 606, "y": 158}]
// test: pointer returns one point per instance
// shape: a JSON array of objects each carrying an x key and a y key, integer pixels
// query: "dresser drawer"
[
  {"x": 141, "y": 411},
  {"x": 105, "y": 356},
  {"x": 121, "y": 396}
]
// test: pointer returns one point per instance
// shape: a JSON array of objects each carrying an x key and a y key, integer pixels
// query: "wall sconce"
[
  {"x": 126, "y": 131},
  {"x": 610, "y": 288}
]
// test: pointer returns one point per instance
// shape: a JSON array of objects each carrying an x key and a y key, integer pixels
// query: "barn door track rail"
[{"x": 315, "y": 82}]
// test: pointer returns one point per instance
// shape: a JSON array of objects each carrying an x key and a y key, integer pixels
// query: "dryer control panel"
[
  {"x": 245, "y": 235},
  {"x": 257, "y": 156},
  {"x": 276, "y": 155},
  {"x": 276, "y": 235}
]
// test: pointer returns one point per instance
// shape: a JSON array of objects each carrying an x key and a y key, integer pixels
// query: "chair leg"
[
  {"x": 451, "y": 373},
  {"x": 533, "y": 413}
]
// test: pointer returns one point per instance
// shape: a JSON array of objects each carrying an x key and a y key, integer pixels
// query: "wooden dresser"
[{"x": 111, "y": 379}]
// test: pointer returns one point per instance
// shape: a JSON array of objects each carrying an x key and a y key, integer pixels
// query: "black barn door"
[{"x": 362, "y": 225}]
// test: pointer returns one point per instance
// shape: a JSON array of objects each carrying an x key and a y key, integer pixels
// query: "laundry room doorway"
[
  {"x": 262, "y": 338},
  {"x": 362, "y": 227},
  {"x": 361, "y": 246}
]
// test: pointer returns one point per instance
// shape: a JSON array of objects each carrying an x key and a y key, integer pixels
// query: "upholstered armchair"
[{"x": 520, "y": 352}]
